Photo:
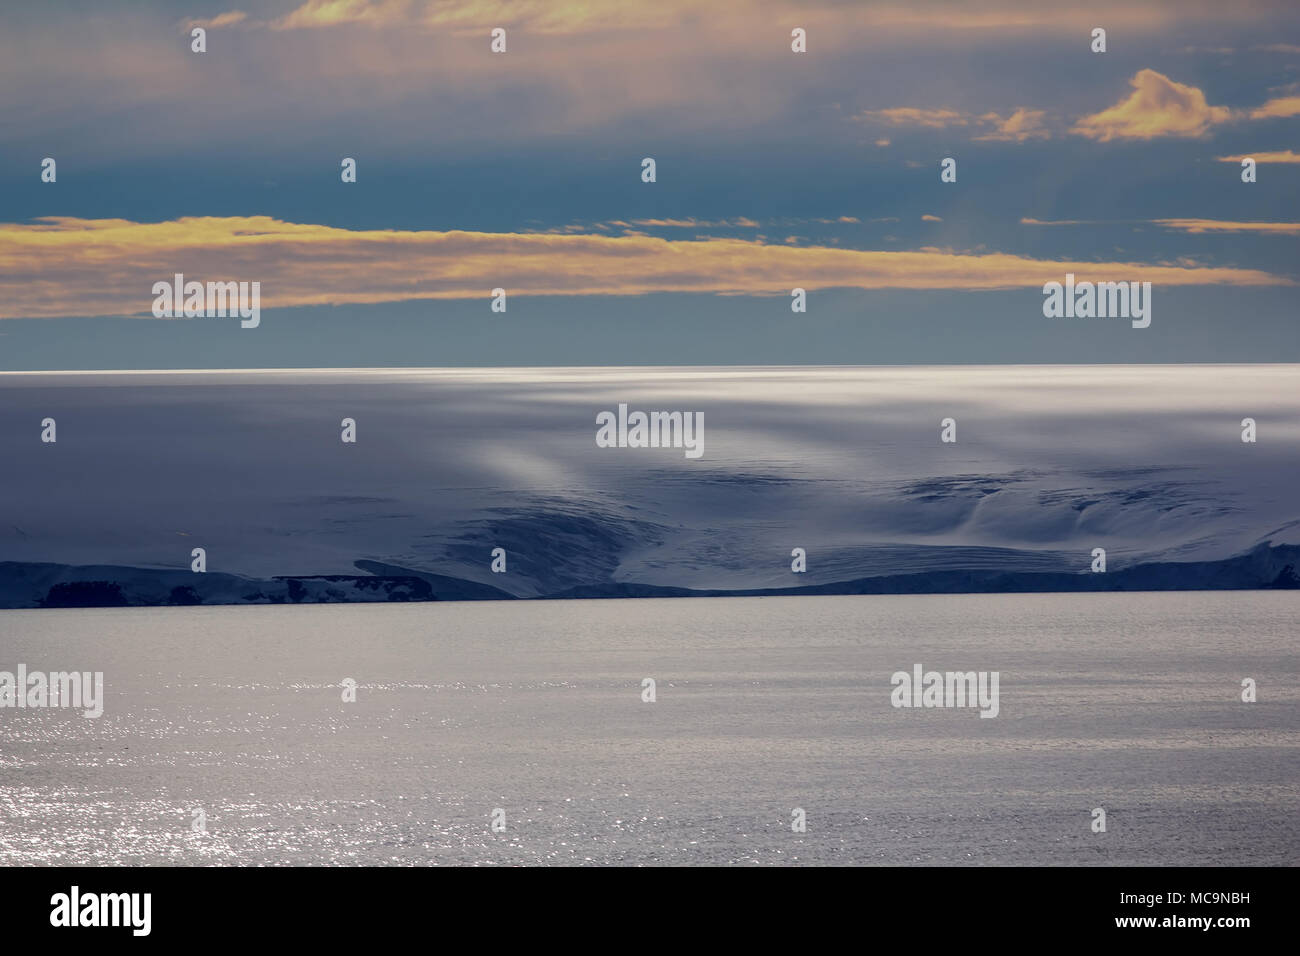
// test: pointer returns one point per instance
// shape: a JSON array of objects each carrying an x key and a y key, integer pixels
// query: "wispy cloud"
[
  {"x": 916, "y": 116},
  {"x": 1273, "y": 156},
  {"x": 334, "y": 13},
  {"x": 117, "y": 261},
  {"x": 227, "y": 19},
  {"x": 1181, "y": 225},
  {"x": 1020, "y": 125},
  {"x": 354, "y": 69},
  {"x": 740, "y": 222},
  {"x": 533, "y": 16},
  {"x": 582, "y": 16},
  {"x": 736, "y": 222},
  {"x": 1024, "y": 124},
  {"x": 1279, "y": 108},
  {"x": 1219, "y": 225}
]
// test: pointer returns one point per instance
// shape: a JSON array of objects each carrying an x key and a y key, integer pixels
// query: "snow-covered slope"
[{"x": 847, "y": 463}]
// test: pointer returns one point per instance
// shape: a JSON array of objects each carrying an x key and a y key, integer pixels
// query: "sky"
[{"x": 523, "y": 170}]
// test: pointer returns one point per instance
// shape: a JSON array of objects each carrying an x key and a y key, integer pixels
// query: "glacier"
[{"x": 1050, "y": 462}]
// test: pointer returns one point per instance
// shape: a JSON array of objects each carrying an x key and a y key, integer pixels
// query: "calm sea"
[{"x": 1128, "y": 702}]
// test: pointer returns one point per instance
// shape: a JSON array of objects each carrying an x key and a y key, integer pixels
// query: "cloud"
[
  {"x": 737, "y": 222},
  {"x": 1218, "y": 225},
  {"x": 1278, "y": 108},
  {"x": 1279, "y": 156},
  {"x": 221, "y": 20},
  {"x": 531, "y": 16},
  {"x": 60, "y": 266},
  {"x": 333, "y": 13},
  {"x": 353, "y": 70},
  {"x": 1024, "y": 124},
  {"x": 825, "y": 21},
  {"x": 929, "y": 218},
  {"x": 1021, "y": 125},
  {"x": 741, "y": 222},
  {"x": 1193, "y": 226},
  {"x": 1158, "y": 106},
  {"x": 913, "y": 116}
]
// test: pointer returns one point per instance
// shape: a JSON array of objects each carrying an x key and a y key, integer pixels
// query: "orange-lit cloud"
[
  {"x": 333, "y": 13},
  {"x": 1158, "y": 106},
  {"x": 61, "y": 266},
  {"x": 1194, "y": 226},
  {"x": 913, "y": 116},
  {"x": 1024, "y": 124},
  {"x": 573, "y": 66},
  {"x": 1219, "y": 225},
  {"x": 577, "y": 16},
  {"x": 737, "y": 222},
  {"x": 1017, "y": 127},
  {"x": 1277, "y": 156},
  {"x": 741, "y": 222},
  {"x": 532, "y": 16},
  {"x": 1279, "y": 108},
  {"x": 227, "y": 19}
]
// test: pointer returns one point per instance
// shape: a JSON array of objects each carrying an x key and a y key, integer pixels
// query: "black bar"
[{"x": 975, "y": 907}]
